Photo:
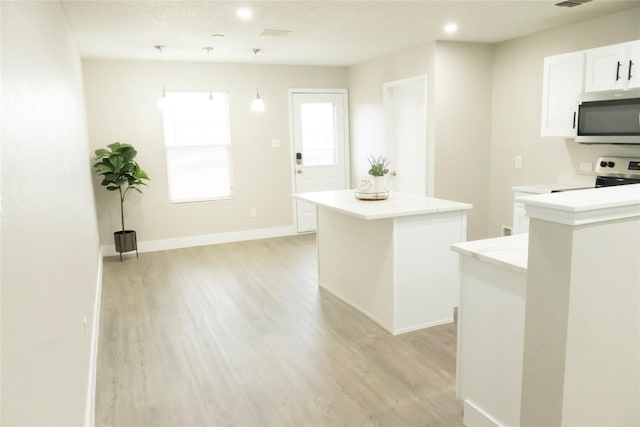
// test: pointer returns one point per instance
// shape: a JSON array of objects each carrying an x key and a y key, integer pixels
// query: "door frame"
[
  {"x": 387, "y": 100},
  {"x": 292, "y": 154}
]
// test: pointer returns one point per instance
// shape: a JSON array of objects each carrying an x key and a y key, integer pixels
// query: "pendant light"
[
  {"x": 257, "y": 104},
  {"x": 208, "y": 49},
  {"x": 162, "y": 102}
]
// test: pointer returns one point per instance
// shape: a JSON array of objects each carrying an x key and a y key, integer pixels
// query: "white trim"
[
  {"x": 586, "y": 206},
  {"x": 292, "y": 148},
  {"x": 567, "y": 217},
  {"x": 475, "y": 416},
  {"x": 391, "y": 330},
  {"x": 429, "y": 152},
  {"x": 357, "y": 308},
  {"x": 207, "y": 239},
  {"x": 90, "y": 408},
  {"x": 423, "y": 326}
]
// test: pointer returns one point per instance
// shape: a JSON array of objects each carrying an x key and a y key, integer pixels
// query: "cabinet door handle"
[
  {"x": 618, "y": 71},
  {"x": 574, "y": 119},
  {"x": 629, "y": 74}
]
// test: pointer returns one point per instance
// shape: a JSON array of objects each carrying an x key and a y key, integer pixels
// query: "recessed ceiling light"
[
  {"x": 244, "y": 13},
  {"x": 451, "y": 28}
]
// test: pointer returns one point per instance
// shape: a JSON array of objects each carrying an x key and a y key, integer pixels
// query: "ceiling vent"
[
  {"x": 275, "y": 33},
  {"x": 572, "y": 3}
]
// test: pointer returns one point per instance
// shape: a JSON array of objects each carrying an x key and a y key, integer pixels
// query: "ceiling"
[{"x": 334, "y": 33}]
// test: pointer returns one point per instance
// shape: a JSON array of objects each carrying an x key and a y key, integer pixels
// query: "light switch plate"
[
  {"x": 518, "y": 163},
  {"x": 586, "y": 166},
  {"x": 275, "y": 143}
]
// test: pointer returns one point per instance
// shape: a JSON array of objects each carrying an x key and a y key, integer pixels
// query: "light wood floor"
[{"x": 240, "y": 334}]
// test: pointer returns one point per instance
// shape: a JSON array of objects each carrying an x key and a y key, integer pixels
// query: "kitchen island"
[
  {"x": 390, "y": 259},
  {"x": 493, "y": 285},
  {"x": 549, "y": 323}
]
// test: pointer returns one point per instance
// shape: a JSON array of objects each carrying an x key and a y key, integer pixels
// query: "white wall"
[
  {"x": 463, "y": 128},
  {"x": 516, "y": 110},
  {"x": 366, "y": 107},
  {"x": 458, "y": 117},
  {"x": 50, "y": 252},
  {"x": 122, "y": 98}
]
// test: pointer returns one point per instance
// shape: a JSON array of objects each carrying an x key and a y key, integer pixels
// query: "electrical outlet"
[
  {"x": 252, "y": 213},
  {"x": 518, "y": 162}
]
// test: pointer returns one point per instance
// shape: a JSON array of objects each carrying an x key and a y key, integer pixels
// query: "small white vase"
[{"x": 379, "y": 184}]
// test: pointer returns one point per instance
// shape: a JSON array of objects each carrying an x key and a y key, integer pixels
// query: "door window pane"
[{"x": 318, "y": 122}]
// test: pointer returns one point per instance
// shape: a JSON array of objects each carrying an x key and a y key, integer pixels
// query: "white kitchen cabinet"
[
  {"x": 613, "y": 67},
  {"x": 633, "y": 64},
  {"x": 390, "y": 259},
  {"x": 562, "y": 86},
  {"x": 520, "y": 218},
  {"x": 491, "y": 329}
]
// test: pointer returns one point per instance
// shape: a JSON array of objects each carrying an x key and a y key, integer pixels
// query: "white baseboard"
[
  {"x": 90, "y": 408},
  {"x": 207, "y": 239},
  {"x": 358, "y": 308},
  {"x": 424, "y": 326},
  {"x": 474, "y": 416},
  {"x": 387, "y": 328}
]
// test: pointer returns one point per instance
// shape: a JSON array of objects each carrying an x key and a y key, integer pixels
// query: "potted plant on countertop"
[
  {"x": 121, "y": 172},
  {"x": 379, "y": 169}
]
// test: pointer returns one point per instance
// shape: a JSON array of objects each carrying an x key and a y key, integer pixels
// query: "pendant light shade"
[{"x": 257, "y": 104}]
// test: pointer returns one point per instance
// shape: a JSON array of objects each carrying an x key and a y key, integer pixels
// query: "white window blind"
[{"x": 198, "y": 146}]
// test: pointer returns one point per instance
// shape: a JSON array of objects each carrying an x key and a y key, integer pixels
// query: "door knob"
[{"x": 298, "y": 170}]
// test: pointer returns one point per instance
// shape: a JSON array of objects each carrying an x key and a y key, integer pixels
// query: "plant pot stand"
[{"x": 125, "y": 241}]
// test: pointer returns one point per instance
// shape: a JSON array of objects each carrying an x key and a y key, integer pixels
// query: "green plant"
[
  {"x": 378, "y": 166},
  {"x": 120, "y": 171}
]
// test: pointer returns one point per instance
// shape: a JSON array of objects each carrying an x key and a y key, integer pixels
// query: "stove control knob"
[
  {"x": 611, "y": 164},
  {"x": 603, "y": 164}
]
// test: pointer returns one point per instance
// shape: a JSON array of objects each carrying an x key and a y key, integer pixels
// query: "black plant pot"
[{"x": 125, "y": 241}]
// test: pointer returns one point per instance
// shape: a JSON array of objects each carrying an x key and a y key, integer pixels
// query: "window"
[
  {"x": 318, "y": 133},
  {"x": 198, "y": 146}
]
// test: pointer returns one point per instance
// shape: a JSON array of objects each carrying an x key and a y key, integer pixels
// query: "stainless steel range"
[
  {"x": 617, "y": 171},
  {"x": 614, "y": 171}
]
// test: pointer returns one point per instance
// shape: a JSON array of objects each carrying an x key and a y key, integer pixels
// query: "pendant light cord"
[{"x": 160, "y": 48}]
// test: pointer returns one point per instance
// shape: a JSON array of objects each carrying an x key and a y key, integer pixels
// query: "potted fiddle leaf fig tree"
[{"x": 120, "y": 172}]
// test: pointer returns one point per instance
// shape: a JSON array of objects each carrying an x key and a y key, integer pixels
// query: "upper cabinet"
[
  {"x": 563, "y": 84},
  {"x": 613, "y": 67},
  {"x": 568, "y": 76}
]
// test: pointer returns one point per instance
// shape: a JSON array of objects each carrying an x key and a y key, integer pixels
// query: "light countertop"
[
  {"x": 565, "y": 182},
  {"x": 510, "y": 252},
  {"x": 585, "y": 206},
  {"x": 397, "y": 205},
  {"x": 536, "y": 189}
]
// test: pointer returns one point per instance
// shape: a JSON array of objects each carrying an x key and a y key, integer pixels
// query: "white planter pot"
[{"x": 379, "y": 184}]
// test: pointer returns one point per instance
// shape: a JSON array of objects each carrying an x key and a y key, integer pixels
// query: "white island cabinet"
[
  {"x": 390, "y": 259},
  {"x": 549, "y": 326},
  {"x": 491, "y": 316}
]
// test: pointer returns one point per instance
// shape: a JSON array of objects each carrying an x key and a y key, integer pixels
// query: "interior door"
[
  {"x": 319, "y": 126},
  {"x": 405, "y": 103}
]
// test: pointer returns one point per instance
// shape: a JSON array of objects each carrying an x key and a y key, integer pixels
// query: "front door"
[{"x": 320, "y": 159}]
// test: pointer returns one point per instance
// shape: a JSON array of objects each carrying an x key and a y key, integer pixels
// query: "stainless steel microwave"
[{"x": 609, "y": 118}]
